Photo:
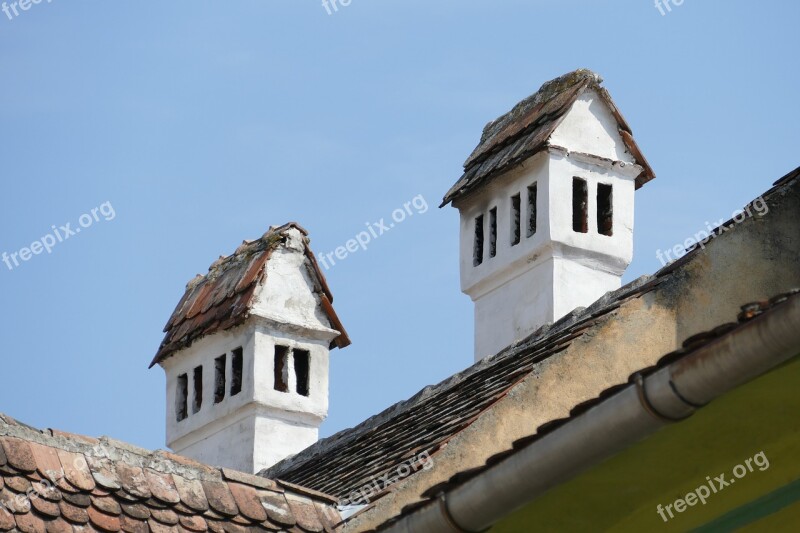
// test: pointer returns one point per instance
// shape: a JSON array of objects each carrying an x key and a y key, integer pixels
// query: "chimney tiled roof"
[
  {"x": 222, "y": 298},
  {"x": 106, "y": 485},
  {"x": 525, "y": 130}
]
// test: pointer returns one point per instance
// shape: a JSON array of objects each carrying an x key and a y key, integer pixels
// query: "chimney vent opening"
[
  {"x": 477, "y": 252},
  {"x": 532, "y": 194},
  {"x": 182, "y": 398},
  {"x": 197, "y": 381},
  {"x": 493, "y": 232},
  {"x": 516, "y": 230},
  {"x": 302, "y": 370},
  {"x": 605, "y": 209},
  {"x": 219, "y": 378},
  {"x": 580, "y": 210},
  {"x": 237, "y": 364},
  {"x": 281, "y": 382}
]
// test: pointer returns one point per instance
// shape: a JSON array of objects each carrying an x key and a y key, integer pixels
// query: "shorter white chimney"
[
  {"x": 246, "y": 355},
  {"x": 546, "y": 205}
]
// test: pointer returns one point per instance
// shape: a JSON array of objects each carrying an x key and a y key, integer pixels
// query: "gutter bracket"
[
  {"x": 445, "y": 512},
  {"x": 641, "y": 392}
]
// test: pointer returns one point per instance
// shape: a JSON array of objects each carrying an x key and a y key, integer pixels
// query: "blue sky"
[{"x": 204, "y": 123}]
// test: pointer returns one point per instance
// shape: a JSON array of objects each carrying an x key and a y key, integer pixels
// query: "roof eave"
[{"x": 703, "y": 375}]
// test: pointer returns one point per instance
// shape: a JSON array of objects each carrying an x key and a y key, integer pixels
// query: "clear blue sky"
[{"x": 203, "y": 123}]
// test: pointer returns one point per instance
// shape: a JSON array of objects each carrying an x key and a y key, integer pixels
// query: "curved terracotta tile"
[
  {"x": 103, "y": 521},
  {"x": 18, "y": 454}
]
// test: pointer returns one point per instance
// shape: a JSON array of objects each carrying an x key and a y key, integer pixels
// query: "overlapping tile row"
[
  {"x": 525, "y": 130},
  {"x": 52, "y": 482},
  {"x": 222, "y": 298},
  {"x": 689, "y": 346}
]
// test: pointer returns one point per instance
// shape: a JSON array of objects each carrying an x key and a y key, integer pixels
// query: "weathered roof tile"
[
  {"x": 191, "y": 493},
  {"x": 157, "y": 527},
  {"x": 250, "y": 479},
  {"x": 73, "y": 513},
  {"x": 132, "y": 525},
  {"x": 162, "y": 486},
  {"x": 108, "y": 505},
  {"x": 103, "y": 521},
  {"x": 277, "y": 508},
  {"x": 10, "y": 501},
  {"x": 48, "y": 491},
  {"x": 76, "y": 470},
  {"x": 525, "y": 130},
  {"x": 64, "y": 486},
  {"x": 222, "y": 298},
  {"x": 248, "y": 501},
  {"x": 97, "y": 493},
  {"x": 30, "y": 523},
  {"x": 168, "y": 517},
  {"x": 194, "y": 523},
  {"x": 104, "y": 472},
  {"x": 305, "y": 513},
  {"x": 133, "y": 480},
  {"x": 79, "y": 500},
  {"x": 46, "y": 508},
  {"x": 18, "y": 484},
  {"x": 47, "y": 461},
  {"x": 220, "y": 498},
  {"x": 215, "y": 526},
  {"x": 329, "y": 518},
  {"x": 19, "y": 454},
  {"x": 58, "y": 526},
  {"x": 136, "y": 510},
  {"x": 7, "y": 521}
]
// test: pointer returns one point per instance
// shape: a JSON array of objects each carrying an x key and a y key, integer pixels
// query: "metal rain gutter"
[{"x": 669, "y": 395}]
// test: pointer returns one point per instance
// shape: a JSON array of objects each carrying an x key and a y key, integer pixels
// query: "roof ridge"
[
  {"x": 266, "y": 241},
  {"x": 108, "y": 448},
  {"x": 108, "y": 485},
  {"x": 545, "y": 93},
  {"x": 223, "y": 298},
  {"x": 525, "y": 130}
]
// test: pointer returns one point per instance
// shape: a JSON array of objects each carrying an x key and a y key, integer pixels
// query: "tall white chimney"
[
  {"x": 246, "y": 355},
  {"x": 546, "y": 204}
]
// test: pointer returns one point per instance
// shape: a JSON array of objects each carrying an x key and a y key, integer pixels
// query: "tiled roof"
[
  {"x": 355, "y": 457},
  {"x": 222, "y": 298},
  {"x": 426, "y": 422},
  {"x": 692, "y": 344},
  {"x": 525, "y": 130},
  {"x": 54, "y": 482}
]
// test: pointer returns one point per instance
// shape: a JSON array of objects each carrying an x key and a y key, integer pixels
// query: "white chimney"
[
  {"x": 246, "y": 355},
  {"x": 546, "y": 205}
]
